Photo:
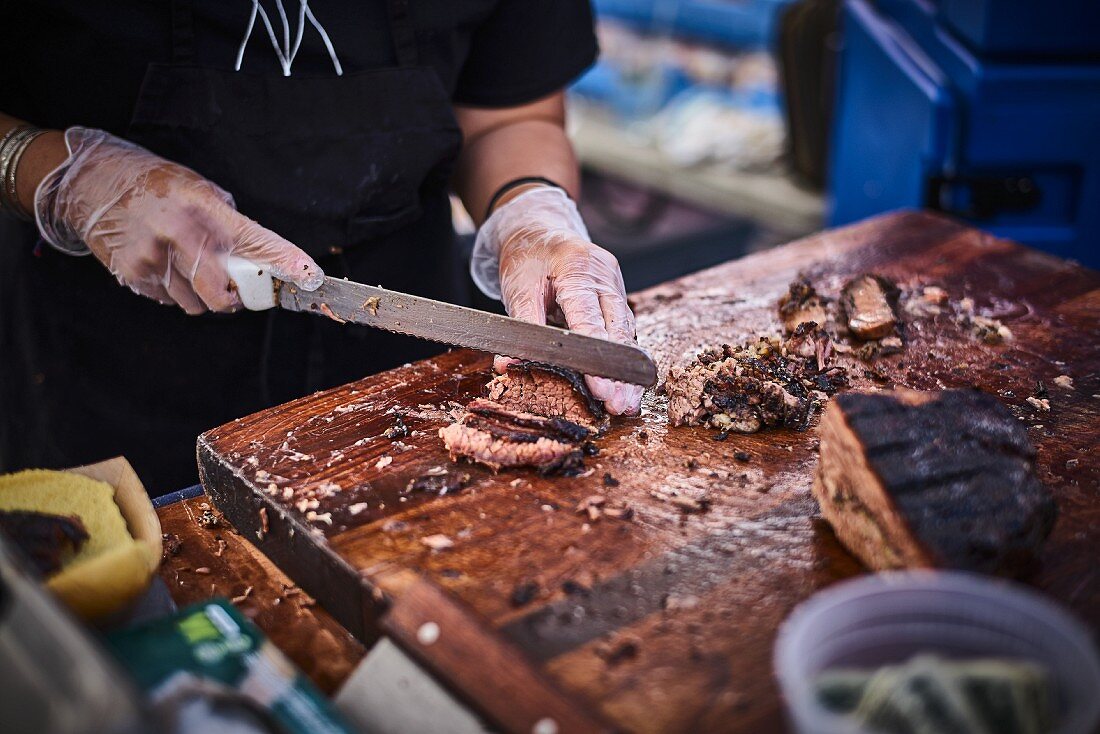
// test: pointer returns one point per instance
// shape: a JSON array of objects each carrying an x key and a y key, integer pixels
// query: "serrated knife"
[{"x": 351, "y": 302}]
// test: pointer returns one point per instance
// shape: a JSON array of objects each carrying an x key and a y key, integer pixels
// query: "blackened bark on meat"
[
  {"x": 46, "y": 539},
  {"x": 528, "y": 424},
  {"x": 946, "y": 479},
  {"x": 569, "y": 465},
  {"x": 870, "y": 305},
  {"x": 831, "y": 381}
]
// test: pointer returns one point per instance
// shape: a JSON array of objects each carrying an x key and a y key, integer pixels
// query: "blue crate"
[
  {"x": 740, "y": 24},
  {"x": 921, "y": 121},
  {"x": 1025, "y": 27}
]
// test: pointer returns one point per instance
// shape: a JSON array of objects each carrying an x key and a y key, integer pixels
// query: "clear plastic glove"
[
  {"x": 535, "y": 255},
  {"x": 160, "y": 228}
]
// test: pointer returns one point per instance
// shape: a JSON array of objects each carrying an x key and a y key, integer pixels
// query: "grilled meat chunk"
[
  {"x": 741, "y": 389},
  {"x": 939, "y": 479},
  {"x": 542, "y": 389},
  {"x": 47, "y": 540},
  {"x": 801, "y": 304},
  {"x": 869, "y": 303}
]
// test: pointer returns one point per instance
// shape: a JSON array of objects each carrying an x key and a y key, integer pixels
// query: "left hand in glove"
[{"x": 534, "y": 254}]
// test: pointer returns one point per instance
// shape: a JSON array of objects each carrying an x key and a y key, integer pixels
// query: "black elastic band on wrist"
[{"x": 516, "y": 183}]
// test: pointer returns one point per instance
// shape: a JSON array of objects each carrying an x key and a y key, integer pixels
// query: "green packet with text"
[{"x": 208, "y": 663}]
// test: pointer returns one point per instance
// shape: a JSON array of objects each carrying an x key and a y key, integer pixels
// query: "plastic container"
[{"x": 890, "y": 617}]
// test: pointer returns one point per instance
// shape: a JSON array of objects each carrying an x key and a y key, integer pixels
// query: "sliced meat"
[
  {"x": 545, "y": 390},
  {"x": 516, "y": 425},
  {"x": 741, "y": 389},
  {"x": 802, "y": 304},
  {"x": 545, "y": 454},
  {"x": 942, "y": 479},
  {"x": 47, "y": 540},
  {"x": 869, "y": 303},
  {"x": 535, "y": 416}
]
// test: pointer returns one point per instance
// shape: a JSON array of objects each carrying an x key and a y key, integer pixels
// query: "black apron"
[{"x": 354, "y": 169}]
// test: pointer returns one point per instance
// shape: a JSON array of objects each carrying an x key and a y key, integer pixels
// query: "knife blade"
[{"x": 348, "y": 301}]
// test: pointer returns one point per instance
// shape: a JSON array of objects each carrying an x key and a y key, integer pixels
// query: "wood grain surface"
[
  {"x": 204, "y": 562},
  {"x": 665, "y": 622}
]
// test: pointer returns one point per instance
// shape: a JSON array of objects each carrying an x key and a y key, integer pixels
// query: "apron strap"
[
  {"x": 401, "y": 28},
  {"x": 183, "y": 32},
  {"x": 404, "y": 34}
]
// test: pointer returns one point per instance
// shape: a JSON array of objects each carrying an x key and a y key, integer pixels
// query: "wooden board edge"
[
  {"x": 286, "y": 541},
  {"x": 444, "y": 636}
]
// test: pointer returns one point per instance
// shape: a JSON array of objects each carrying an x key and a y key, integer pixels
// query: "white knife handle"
[{"x": 254, "y": 283}]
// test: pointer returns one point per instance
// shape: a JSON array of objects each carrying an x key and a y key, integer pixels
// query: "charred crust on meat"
[
  {"x": 944, "y": 479},
  {"x": 524, "y": 593},
  {"x": 519, "y": 426}
]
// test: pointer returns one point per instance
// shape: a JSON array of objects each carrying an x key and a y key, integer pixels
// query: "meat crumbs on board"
[
  {"x": 781, "y": 382},
  {"x": 534, "y": 415},
  {"x": 766, "y": 384}
]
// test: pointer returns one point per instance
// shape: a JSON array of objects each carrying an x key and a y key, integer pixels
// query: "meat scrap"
[
  {"x": 984, "y": 329},
  {"x": 534, "y": 415},
  {"x": 745, "y": 389},
  {"x": 438, "y": 483},
  {"x": 931, "y": 479},
  {"x": 801, "y": 304},
  {"x": 46, "y": 539},
  {"x": 869, "y": 303}
]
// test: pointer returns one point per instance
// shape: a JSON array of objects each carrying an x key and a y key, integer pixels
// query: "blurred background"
[
  {"x": 713, "y": 128},
  {"x": 681, "y": 133}
]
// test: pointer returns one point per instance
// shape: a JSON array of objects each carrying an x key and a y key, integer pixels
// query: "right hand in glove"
[{"x": 160, "y": 228}]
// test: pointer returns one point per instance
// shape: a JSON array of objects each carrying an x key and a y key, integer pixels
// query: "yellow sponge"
[
  {"x": 64, "y": 493},
  {"x": 114, "y": 565}
]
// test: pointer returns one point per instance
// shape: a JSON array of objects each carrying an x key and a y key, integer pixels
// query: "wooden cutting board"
[{"x": 665, "y": 622}]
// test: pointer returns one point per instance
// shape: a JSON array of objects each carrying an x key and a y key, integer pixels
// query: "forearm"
[
  {"x": 45, "y": 153},
  {"x": 528, "y": 141}
]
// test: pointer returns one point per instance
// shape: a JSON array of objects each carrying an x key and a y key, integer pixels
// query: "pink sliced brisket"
[{"x": 534, "y": 415}]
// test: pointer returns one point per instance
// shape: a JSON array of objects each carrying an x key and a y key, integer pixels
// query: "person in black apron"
[{"x": 352, "y": 164}]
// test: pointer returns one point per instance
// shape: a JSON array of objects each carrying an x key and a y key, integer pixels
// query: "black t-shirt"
[{"x": 82, "y": 63}]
